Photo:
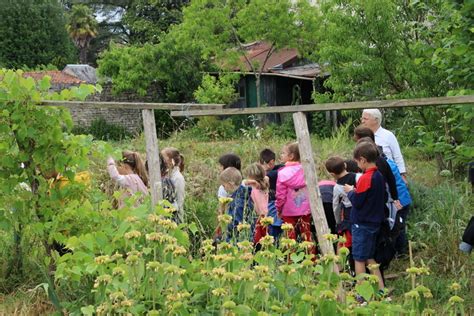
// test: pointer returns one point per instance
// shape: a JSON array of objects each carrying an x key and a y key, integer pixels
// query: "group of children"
[
  {"x": 367, "y": 203},
  {"x": 132, "y": 176}
]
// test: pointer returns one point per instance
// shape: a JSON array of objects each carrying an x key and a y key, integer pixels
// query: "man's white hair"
[{"x": 375, "y": 113}]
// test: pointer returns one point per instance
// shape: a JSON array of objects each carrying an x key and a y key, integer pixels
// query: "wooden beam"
[
  {"x": 133, "y": 105},
  {"x": 465, "y": 99},
  {"x": 311, "y": 178},
  {"x": 152, "y": 156}
]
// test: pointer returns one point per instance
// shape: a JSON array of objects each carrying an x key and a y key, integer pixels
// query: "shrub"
[{"x": 100, "y": 129}]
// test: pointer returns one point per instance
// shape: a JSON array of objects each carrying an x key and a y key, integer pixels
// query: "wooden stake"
[
  {"x": 309, "y": 167},
  {"x": 152, "y": 156}
]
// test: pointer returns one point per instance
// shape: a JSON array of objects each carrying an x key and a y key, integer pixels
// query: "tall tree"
[
  {"x": 32, "y": 33},
  {"x": 82, "y": 28}
]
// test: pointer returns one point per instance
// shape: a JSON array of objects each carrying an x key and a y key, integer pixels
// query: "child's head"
[
  {"x": 335, "y": 166},
  {"x": 173, "y": 158},
  {"x": 256, "y": 172},
  {"x": 290, "y": 152},
  {"x": 267, "y": 159},
  {"x": 230, "y": 160},
  {"x": 365, "y": 154},
  {"x": 230, "y": 179},
  {"x": 351, "y": 166},
  {"x": 135, "y": 162},
  {"x": 363, "y": 131}
]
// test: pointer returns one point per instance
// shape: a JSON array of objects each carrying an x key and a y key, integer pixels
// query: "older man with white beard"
[{"x": 372, "y": 118}]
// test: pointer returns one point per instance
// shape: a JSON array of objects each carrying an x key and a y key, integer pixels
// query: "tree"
[
  {"x": 82, "y": 28},
  {"x": 32, "y": 33},
  {"x": 223, "y": 28},
  {"x": 394, "y": 49}
]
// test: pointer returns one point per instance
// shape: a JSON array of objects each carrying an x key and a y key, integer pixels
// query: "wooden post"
[
  {"x": 311, "y": 177},
  {"x": 152, "y": 156}
]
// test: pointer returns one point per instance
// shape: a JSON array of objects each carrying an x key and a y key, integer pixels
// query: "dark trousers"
[{"x": 401, "y": 243}]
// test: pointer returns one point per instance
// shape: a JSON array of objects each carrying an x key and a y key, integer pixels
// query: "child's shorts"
[{"x": 364, "y": 238}]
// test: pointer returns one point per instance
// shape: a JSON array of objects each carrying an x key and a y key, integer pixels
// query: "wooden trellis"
[{"x": 301, "y": 128}]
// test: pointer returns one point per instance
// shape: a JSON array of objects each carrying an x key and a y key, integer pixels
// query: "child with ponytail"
[
  {"x": 131, "y": 174},
  {"x": 175, "y": 163}
]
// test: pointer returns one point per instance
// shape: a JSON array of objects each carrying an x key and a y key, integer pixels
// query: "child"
[
  {"x": 167, "y": 186},
  {"x": 292, "y": 200},
  {"x": 239, "y": 208},
  {"x": 267, "y": 160},
  {"x": 367, "y": 211},
  {"x": 175, "y": 163},
  {"x": 341, "y": 204},
  {"x": 132, "y": 176},
  {"x": 259, "y": 194},
  {"x": 326, "y": 188},
  {"x": 226, "y": 161}
]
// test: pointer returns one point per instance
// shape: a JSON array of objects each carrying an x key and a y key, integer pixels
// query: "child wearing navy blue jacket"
[
  {"x": 241, "y": 205},
  {"x": 368, "y": 200}
]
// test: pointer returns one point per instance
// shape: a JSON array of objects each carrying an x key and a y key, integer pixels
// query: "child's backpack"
[{"x": 389, "y": 231}]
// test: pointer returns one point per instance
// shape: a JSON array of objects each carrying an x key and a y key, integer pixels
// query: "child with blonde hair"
[{"x": 131, "y": 175}]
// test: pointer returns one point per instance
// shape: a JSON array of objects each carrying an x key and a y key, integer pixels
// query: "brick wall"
[{"x": 128, "y": 118}]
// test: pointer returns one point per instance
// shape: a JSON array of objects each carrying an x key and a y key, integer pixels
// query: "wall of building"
[{"x": 128, "y": 118}]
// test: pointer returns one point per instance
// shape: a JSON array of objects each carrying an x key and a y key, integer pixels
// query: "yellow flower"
[
  {"x": 116, "y": 256},
  {"x": 133, "y": 234},
  {"x": 224, "y": 219},
  {"x": 287, "y": 269},
  {"x": 167, "y": 224},
  {"x": 373, "y": 266},
  {"x": 223, "y": 258},
  {"x": 173, "y": 270},
  {"x": 225, "y": 200},
  {"x": 245, "y": 245},
  {"x": 153, "y": 218},
  {"x": 127, "y": 303},
  {"x": 247, "y": 275},
  {"x": 287, "y": 243},
  {"x": 262, "y": 286},
  {"x": 155, "y": 237},
  {"x": 102, "y": 279},
  {"x": 243, "y": 226},
  {"x": 224, "y": 246},
  {"x": 102, "y": 259},
  {"x": 455, "y": 300},
  {"x": 219, "y": 292},
  {"x": 118, "y": 271},
  {"x": 266, "y": 221},
  {"x": 154, "y": 266},
  {"x": 330, "y": 237},
  {"x": 246, "y": 256},
  {"x": 230, "y": 277},
  {"x": 307, "y": 298},
  {"x": 131, "y": 219},
  {"x": 455, "y": 286},
  {"x": 266, "y": 254},
  {"x": 218, "y": 272},
  {"x": 262, "y": 270},
  {"x": 179, "y": 251},
  {"x": 306, "y": 245},
  {"x": 267, "y": 241},
  {"x": 286, "y": 227},
  {"x": 330, "y": 258},
  {"x": 413, "y": 295},
  {"x": 117, "y": 296}
]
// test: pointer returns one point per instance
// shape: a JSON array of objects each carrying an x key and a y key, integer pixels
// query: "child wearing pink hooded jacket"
[{"x": 292, "y": 201}]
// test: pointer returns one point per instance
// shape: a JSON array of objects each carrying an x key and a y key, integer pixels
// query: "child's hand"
[
  {"x": 398, "y": 205},
  {"x": 348, "y": 188},
  {"x": 110, "y": 161}
]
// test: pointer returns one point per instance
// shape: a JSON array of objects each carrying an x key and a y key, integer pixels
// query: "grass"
[{"x": 441, "y": 210}]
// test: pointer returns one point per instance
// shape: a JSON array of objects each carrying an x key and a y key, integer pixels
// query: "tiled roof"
[
  {"x": 257, "y": 52},
  {"x": 57, "y": 77}
]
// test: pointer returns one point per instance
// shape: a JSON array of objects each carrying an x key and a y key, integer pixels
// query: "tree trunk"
[{"x": 83, "y": 55}]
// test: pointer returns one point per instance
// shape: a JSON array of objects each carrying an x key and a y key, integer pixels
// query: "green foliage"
[
  {"x": 34, "y": 144},
  {"x": 217, "y": 90},
  {"x": 210, "y": 128},
  {"x": 100, "y": 129},
  {"x": 33, "y": 33},
  {"x": 397, "y": 49},
  {"x": 82, "y": 28}
]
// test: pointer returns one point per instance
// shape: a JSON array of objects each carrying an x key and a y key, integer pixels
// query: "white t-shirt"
[{"x": 390, "y": 147}]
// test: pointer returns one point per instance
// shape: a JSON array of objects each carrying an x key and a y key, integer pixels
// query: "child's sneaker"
[
  {"x": 383, "y": 295},
  {"x": 360, "y": 300}
]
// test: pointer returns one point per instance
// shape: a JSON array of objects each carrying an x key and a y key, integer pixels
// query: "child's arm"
[
  {"x": 281, "y": 192},
  {"x": 113, "y": 172},
  {"x": 336, "y": 203}
]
